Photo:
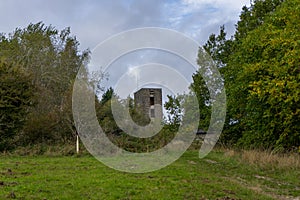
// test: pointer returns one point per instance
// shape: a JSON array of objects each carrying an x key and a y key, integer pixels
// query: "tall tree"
[
  {"x": 16, "y": 96},
  {"x": 268, "y": 58},
  {"x": 261, "y": 75},
  {"x": 53, "y": 59}
]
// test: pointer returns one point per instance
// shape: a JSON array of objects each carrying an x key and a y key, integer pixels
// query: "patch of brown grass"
[{"x": 267, "y": 159}]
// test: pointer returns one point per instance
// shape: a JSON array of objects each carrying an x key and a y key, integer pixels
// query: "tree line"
[
  {"x": 38, "y": 68},
  {"x": 259, "y": 65}
]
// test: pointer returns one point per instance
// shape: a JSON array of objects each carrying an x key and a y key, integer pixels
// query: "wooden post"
[{"x": 77, "y": 144}]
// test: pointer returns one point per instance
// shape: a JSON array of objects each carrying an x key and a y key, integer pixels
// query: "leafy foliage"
[
  {"x": 269, "y": 60},
  {"x": 16, "y": 96},
  {"x": 53, "y": 59},
  {"x": 260, "y": 65}
]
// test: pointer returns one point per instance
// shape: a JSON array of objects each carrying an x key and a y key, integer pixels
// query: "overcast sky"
[{"x": 92, "y": 21}]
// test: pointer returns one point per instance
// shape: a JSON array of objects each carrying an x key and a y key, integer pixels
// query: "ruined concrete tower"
[{"x": 149, "y": 100}]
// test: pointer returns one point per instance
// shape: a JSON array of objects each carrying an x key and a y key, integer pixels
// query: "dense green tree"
[
  {"x": 174, "y": 110},
  {"x": 259, "y": 66},
  {"x": 219, "y": 47},
  {"x": 201, "y": 91},
  {"x": 16, "y": 96},
  {"x": 268, "y": 59},
  {"x": 53, "y": 59},
  {"x": 254, "y": 16},
  {"x": 104, "y": 112},
  {"x": 107, "y": 95}
]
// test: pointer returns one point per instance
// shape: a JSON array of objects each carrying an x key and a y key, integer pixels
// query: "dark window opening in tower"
[{"x": 151, "y": 101}]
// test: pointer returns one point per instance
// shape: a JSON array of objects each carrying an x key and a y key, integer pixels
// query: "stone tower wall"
[{"x": 142, "y": 99}]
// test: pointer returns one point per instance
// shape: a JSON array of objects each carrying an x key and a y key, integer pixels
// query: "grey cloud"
[{"x": 93, "y": 21}]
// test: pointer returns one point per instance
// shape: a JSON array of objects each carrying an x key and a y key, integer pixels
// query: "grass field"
[{"x": 221, "y": 175}]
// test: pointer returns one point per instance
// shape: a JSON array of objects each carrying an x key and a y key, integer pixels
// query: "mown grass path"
[{"x": 215, "y": 177}]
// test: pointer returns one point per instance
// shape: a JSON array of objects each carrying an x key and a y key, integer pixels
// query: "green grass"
[{"x": 214, "y": 177}]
